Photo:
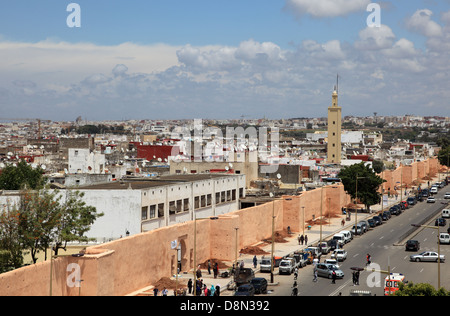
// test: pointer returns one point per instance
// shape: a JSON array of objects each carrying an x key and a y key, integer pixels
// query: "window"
[
  {"x": 208, "y": 200},
  {"x": 186, "y": 205},
  {"x": 152, "y": 211},
  {"x": 144, "y": 213},
  {"x": 217, "y": 197},
  {"x": 222, "y": 197},
  {"x": 161, "y": 210},
  {"x": 179, "y": 206},
  {"x": 203, "y": 201},
  {"x": 196, "y": 202},
  {"x": 172, "y": 208},
  {"x": 233, "y": 195}
]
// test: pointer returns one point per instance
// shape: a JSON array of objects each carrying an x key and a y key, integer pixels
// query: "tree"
[
  {"x": 444, "y": 156},
  {"x": 21, "y": 176},
  {"x": 378, "y": 166},
  {"x": 367, "y": 183},
  {"x": 420, "y": 289},
  {"x": 42, "y": 219},
  {"x": 75, "y": 220},
  {"x": 11, "y": 247}
]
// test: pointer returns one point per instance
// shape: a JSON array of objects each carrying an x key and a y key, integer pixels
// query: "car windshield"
[{"x": 284, "y": 264}]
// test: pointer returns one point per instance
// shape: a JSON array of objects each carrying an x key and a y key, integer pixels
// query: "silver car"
[
  {"x": 427, "y": 256},
  {"x": 326, "y": 270}
]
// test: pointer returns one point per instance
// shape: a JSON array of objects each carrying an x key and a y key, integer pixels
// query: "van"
[
  {"x": 446, "y": 213},
  {"x": 340, "y": 239},
  {"x": 434, "y": 190},
  {"x": 287, "y": 266},
  {"x": 347, "y": 235},
  {"x": 444, "y": 238},
  {"x": 364, "y": 226},
  {"x": 265, "y": 265}
]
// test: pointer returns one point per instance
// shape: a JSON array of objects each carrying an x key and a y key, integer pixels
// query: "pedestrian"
[
  {"x": 155, "y": 291},
  {"x": 354, "y": 278},
  {"x": 306, "y": 239},
  {"x": 255, "y": 262},
  {"x": 190, "y": 286},
  {"x": 315, "y": 274},
  {"x": 217, "y": 291},
  {"x": 298, "y": 238},
  {"x": 212, "y": 290},
  {"x": 368, "y": 259},
  {"x": 357, "y": 277},
  {"x": 333, "y": 277},
  {"x": 209, "y": 267},
  {"x": 342, "y": 222},
  {"x": 216, "y": 269},
  {"x": 302, "y": 239},
  {"x": 199, "y": 272},
  {"x": 164, "y": 292}
]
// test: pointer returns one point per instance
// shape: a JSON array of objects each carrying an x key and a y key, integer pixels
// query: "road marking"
[
  {"x": 356, "y": 255},
  {"x": 421, "y": 270},
  {"x": 381, "y": 237}
]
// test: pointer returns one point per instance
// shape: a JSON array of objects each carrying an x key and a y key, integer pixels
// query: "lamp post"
[
  {"x": 356, "y": 203},
  {"x": 439, "y": 250}
]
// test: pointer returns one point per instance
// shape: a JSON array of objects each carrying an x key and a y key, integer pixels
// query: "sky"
[{"x": 217, "y": 59}]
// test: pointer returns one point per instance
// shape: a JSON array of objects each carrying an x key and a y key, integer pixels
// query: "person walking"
[
  {"x": 306, "y": 239},
  {"x": 255, "y": 262},
  {"x": 302, "y": 239},
  {"x": 333, "y": 277},
  {"x": 209, "y": 267},
  {"x": 216, "y": 270},
  {"x": 189, "y": 285},
  {"x": 368, "y": 259},
  {"x": 315, "y": 274}
]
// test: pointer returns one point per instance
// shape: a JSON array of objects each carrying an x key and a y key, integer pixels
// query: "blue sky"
[{"x": 222, "y": 59}]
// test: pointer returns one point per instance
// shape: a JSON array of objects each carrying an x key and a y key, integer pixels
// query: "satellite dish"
[
  {"x": 43, "y": 167},
  {"x": 159, "y": 159},
  {"x": 279, "y": 176},
  {"x": 271, "y": 194}
]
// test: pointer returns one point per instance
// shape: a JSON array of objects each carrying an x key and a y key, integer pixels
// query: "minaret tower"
[{"x": 334, "y": 129}]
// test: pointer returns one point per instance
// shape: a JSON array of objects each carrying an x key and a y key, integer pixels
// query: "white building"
[{"x": 82, "y": 160}]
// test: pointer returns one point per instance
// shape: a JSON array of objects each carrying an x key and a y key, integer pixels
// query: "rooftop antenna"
[{"x": 337, "y": 83}]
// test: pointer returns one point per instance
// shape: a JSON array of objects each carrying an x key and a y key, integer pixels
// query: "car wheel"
[{"x": 417, "y": 259}]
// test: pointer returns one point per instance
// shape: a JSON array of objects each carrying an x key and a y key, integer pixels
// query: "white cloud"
[
  {"x": 421, "y": 22},
  {"x": 375, "y": 38},
  {"x": 326, "y": 8}
]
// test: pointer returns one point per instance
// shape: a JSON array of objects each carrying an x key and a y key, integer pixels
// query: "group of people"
[
  {"x": 202, "y": 289},
  {"x": 302, "y": 239}
]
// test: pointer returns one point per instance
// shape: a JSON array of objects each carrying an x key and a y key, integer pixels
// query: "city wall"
[{"x": 125, "y": 265}]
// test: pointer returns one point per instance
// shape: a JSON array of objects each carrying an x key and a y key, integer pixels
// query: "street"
[{"x": 388, "y": 253}]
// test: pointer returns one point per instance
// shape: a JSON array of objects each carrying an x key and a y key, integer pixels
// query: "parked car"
[
  {"x": 359, "y": 230},
  {"x": 447, "y": 195},
  {"x": 404, "y": 204},
  {"x": 388, "y": 214},
  {"x": 347, "y": 235},
  {"x": 377, "y": 220},
  {"x": 395, "y": 210},
  {"x": 260, "y": 285},
  {"x": 245, "y": 290},
  {"x": 412, "y": 245},
  {"x": 340, "y": 239},
  {"x": 431, "y": 199},
  {"x": 384, "y": 216},
  {"x": 425, "y": 193},
  {"x": 339, "y": 254},
  {"x": 427, "y": 256},
  {"x": 434, "y": 190},
  {"x": 287, "y": 266},
  {"x": 440, "y": 222},
  {"x": 326, "y": 270},
  {"x": 371, "y": 222},
  {"x": 364, "y": 225},
  {"x": 411, "y": 200}
]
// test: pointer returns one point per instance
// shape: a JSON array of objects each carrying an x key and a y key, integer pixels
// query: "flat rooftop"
[{"x": 145, "y": 183}]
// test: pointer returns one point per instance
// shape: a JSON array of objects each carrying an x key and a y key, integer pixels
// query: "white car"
[
  {"x": 339, "y": 254},
  {"x": 431, "y": 199},
  {"x": 447, "y": 195},
  {"x": 427, "y": 256}
]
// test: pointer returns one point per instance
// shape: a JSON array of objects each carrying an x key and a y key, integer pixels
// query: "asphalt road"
[{"x": 385, "y": 244}]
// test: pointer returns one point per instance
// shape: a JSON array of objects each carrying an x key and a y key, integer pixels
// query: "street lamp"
[
  {"x": 356, "y": 204},
  {"x": 439, "y": 250}
]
